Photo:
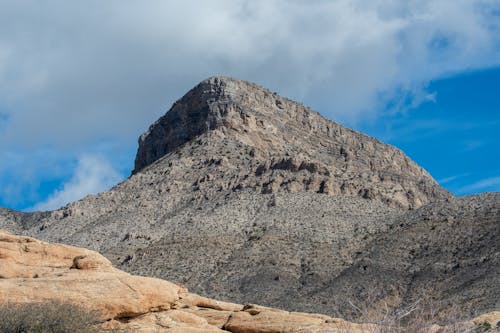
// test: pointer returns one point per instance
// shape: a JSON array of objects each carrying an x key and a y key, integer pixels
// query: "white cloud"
[
  {"x": 71, "y": 71},
  {"x": 450, "y": 179},
  {"x": 487, "y": 184},
  {"x": 92, "y": 175}
]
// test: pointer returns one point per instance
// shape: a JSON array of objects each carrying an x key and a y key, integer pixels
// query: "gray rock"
[
  {"x": 280, "y": 145},
  {"x": 445, "y": 254}
]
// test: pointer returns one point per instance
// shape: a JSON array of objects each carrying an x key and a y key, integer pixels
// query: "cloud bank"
[
  {"x": 92, "y": 175},
  {"x": 71, "y": 72}
]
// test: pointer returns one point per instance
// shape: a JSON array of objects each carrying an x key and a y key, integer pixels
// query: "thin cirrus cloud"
[
  {"x": 93, "y": 174},
  {"x": 450, "y": 179},
  {"x": 487, "y": 184}
]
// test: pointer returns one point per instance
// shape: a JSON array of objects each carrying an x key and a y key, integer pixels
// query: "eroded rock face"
[
  {"x": 290, "y": 147},
  {"x": 35, "y": 271}
]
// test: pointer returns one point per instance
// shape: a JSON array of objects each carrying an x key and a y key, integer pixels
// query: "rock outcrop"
[{"x": 32, "y": 271}]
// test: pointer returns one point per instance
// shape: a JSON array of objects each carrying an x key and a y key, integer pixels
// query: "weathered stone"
[
  {"x": 33, "y": 271},
  {"x": 308, "y": 149}
]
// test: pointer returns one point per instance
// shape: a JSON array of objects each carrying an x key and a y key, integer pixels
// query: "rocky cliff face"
[
  {"x": 243, "y": 195},
  {"x": 285, "y": 146}
]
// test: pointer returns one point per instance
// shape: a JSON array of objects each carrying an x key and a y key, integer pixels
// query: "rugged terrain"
[
  {"x": 243, "y": 195},
  {"x": 446, "y": 252},
  {"x": 37, "y": 272}
]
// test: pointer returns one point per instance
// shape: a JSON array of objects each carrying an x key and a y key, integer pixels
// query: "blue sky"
[
  {"x": 455, "y": 137},
  {"x": 79, "y": 82}
]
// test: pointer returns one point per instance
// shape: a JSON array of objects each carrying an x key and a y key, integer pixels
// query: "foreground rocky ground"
[{"x": 32, "y": 271}]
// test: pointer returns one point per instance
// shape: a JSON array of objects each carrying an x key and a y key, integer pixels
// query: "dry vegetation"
[
  {"x": 423, "y": 314},
  {"x": 49, "y": 317}
]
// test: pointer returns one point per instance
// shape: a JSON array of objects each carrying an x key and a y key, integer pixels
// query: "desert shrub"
[
  {"x": 48, "y": 317},
  {"x": 391, "y": 313}
]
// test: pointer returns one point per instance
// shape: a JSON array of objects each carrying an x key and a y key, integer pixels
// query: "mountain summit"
[
  {"x": 285, "y": 146},
  {"x": 241, "y": 194}
]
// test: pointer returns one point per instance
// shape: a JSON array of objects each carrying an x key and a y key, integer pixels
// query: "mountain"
[
  {"x": 243, "y": 195},
  {"x": 279, "y": 145}
]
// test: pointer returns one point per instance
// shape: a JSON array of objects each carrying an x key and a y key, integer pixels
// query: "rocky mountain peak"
[
  {"x": 281, "y": 145},
  {"x": 195, "y": 113},
  {"x": 244, "y": 109}
]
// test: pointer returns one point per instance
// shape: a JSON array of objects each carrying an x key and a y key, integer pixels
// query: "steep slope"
[
  {"x": 284, "y": 146},
  {"x": 447, "y": 252},
  {"x": 244, "y": 195},
  {"x": 17, "y": 221}
]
